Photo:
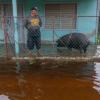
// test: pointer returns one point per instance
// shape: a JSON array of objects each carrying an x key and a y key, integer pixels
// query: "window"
[{"x": 60, "y": 16}]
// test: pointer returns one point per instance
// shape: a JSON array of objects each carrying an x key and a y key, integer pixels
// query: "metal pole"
[
  {"x": 97, "y": 20},
  {"x": 6, "y": 36},
  {"x": 14, "y": 5},
  {"x": 53, "y": 32}
]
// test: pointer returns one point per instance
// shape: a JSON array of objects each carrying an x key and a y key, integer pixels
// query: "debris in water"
[{"x": 3, "y": 97}]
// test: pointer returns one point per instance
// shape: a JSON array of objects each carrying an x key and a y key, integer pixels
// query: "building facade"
[{"x": 59, "y": 17}]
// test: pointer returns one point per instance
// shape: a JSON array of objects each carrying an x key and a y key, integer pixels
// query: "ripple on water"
[{"x": 97, "y": 78}]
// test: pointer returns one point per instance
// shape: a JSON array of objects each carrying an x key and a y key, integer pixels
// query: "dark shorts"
[{"x": 34, "y": 40}]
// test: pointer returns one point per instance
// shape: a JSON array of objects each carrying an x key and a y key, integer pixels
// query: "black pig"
[{"x": 77, "y": 41}]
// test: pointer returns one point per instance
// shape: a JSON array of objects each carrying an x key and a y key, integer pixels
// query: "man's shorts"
[{"x": 34, "y": 40}]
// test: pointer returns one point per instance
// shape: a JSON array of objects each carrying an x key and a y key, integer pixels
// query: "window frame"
[{"x": 75, "y": 14}]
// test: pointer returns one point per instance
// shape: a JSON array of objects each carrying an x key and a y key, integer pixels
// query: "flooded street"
[
  {"x": 49, "y": 49},
  {"x": 69, "y": 82},
  {"x": 48, "y": 81}
]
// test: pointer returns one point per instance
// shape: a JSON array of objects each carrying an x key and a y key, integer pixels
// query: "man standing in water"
[{"x": 33, "y": 24}]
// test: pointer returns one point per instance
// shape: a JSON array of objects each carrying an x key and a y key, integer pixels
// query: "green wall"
[
  {"x": 85, "y": 24},
  {"x": 1, "y": 20}
]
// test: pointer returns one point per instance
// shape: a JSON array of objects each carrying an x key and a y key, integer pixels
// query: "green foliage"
[{"x": 98, "y": 40}]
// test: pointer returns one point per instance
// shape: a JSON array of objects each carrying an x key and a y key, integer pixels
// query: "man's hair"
[{"x": 34, "y": 8}]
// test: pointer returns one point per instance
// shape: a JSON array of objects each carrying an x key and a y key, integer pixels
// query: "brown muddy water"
[{"x": 71, "y": 81}]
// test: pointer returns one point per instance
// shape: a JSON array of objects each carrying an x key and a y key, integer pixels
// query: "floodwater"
[
  {"x": 47, "y": 81},
  {"x": 68, "y": 82}
]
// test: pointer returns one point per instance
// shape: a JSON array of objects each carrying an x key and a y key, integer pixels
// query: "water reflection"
[
  {"x": 97, "y": 77},
  {"x": 4, "y": 97},
  {"x": 71, "y": 81}
]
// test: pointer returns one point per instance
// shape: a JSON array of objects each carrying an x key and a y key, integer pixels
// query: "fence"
[{"x": 51, "y": 30}]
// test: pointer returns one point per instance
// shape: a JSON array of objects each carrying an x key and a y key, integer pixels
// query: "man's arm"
[
  {"x": 26, "y": 23},
  {"x": 40, "y": 22}
]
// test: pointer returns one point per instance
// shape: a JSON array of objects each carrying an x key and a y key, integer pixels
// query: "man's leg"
[
  {"x": 30, "y": 45},
  {"x": 38, "y": 45}
]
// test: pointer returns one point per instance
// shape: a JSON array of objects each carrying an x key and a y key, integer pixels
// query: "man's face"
[{"x": 33, "y": 13}]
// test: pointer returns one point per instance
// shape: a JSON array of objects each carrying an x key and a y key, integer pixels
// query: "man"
[{"x": 33, "y": 24}]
